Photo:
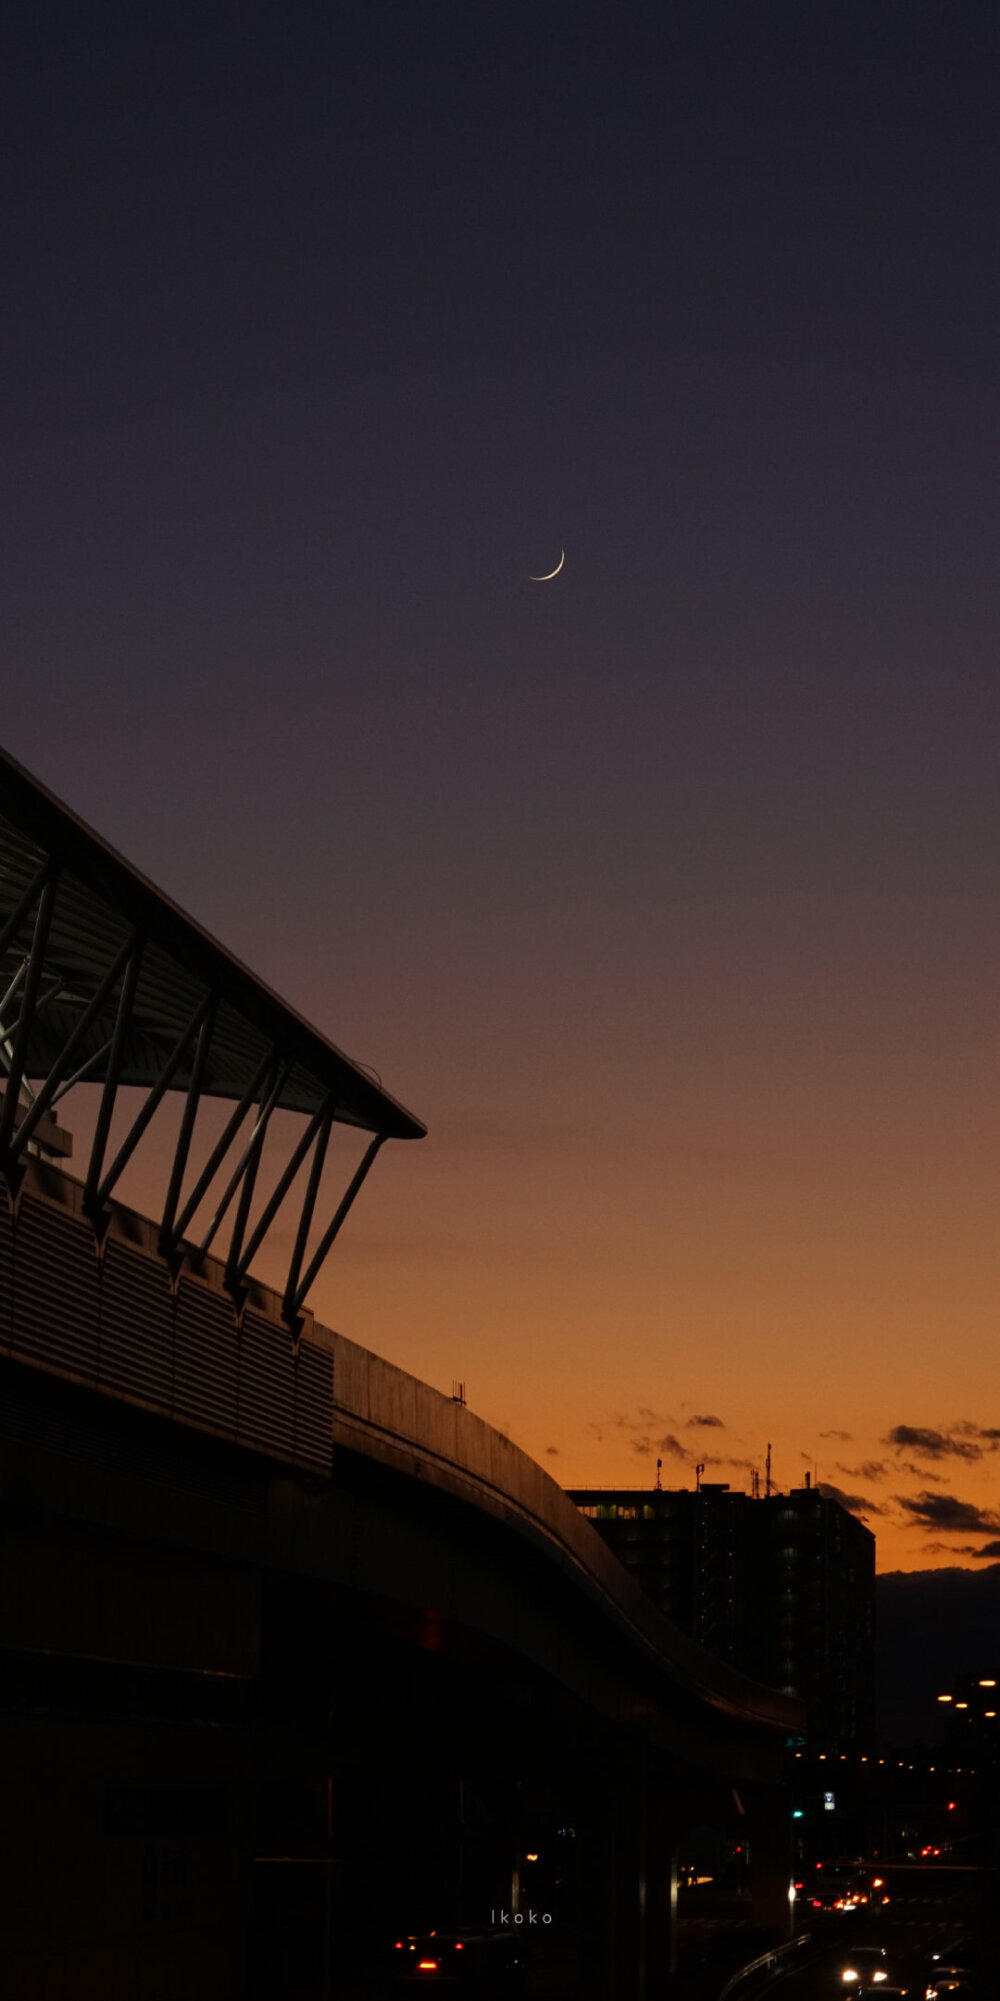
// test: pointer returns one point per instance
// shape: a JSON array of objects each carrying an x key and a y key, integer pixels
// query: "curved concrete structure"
[
  {"x": 388, "y": 1415},
  {"x": 372, "y": 1598}
]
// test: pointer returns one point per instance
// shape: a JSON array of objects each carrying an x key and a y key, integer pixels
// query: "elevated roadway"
[
  {"x": 302, "y": 1593},
  {"x": 294, "y": 1650}
]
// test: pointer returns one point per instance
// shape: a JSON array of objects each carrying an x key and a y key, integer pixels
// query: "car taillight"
[{"x": 427, "y": 1966}]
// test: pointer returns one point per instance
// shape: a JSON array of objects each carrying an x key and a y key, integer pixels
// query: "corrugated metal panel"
[
  {"x": 56, "y": 1287},
  {"x": 266, "y": 1415},
  {"x": 206, "y": 1365},
  {"x": 137, "y": 1326},
  {"x": 101, "y": 1438},
  {"x": 314, "y": 1407},
  {"x": 6, "y": 1269}
]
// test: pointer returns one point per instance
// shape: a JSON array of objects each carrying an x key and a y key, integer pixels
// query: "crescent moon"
[{"x": 549, "y": 574}]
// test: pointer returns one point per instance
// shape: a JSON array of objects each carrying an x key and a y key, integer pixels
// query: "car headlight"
[
  {"x": 880, "y": 1975},
  {"x": 849, "y": 1973}
]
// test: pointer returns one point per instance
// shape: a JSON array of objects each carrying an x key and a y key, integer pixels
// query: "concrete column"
[
  {"x": 660, "y": 1912},
  {"x": 634, "y": 1907},
  {"x": 769, "y": 1832}
]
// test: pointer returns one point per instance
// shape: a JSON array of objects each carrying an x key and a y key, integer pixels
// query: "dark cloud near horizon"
[
  {"x": 870, "y": 1469},
  {"x": 962, "y": 1442},
  {"x": 947, "y": 1513},
  {"x": 990, "y": 1550},
  {"x": 708, "y": 1422},
  {"x": 553, "y": 1450},
  {"x": 856, "y": 1504},
  {"x": 645, "y": 1446},
  {"x": 674, "y": 1446},
  {"x": 845, "y": 1436}
]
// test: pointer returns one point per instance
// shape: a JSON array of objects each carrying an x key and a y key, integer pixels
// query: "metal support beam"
[
  {"x": 184, "y": 1137},
  {"x": 79, "y": 1075},
  {"x": 159, "y": 1090},
  {"x": 246, "y": 1167},
  {"x": 293, "y": 1305},
  {"x": 36, "y": 961},
  {"x": 247, "y": 1256},
  {"x": 218, "y": 1154},
  {"x": 106, "y": 1107},
  {"x": 66, "y": 1054},
  {"x": 11, "y": 991},
  {"x": 308, "y": 1207},
  {"x": 28, "y": 900}
]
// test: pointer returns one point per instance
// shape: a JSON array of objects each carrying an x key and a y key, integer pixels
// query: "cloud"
[
  {"x": 947, "y": 1513},
  {"x": 857, "y": 1504},
  {"x": 933, "y": 1444},
  {"x": 646, "y": 1446},
  {"x": 707, "y": 1422},
  {"x": 985, "y": 1549},
  {"x": 870, "y": 1469},
  {"x": 967, "y": 1430},
  {"x": 672, "y": 1445},
  {"x": 553, "y": 1451},
  {"x": 643, "y": 1441},
  {"x": 844, "y": 1435},
  {"x": 921, "y": 1472}
]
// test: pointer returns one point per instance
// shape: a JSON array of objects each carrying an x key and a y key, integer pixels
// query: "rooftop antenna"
[
  {"x": 698, "y": 1471},
  {"x": 767, "y": 1483},
  {"x": 659, "y": 1483},
  {"x": 754, "y": 1484}
]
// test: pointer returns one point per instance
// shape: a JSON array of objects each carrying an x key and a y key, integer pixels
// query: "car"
[
  {"x": 862, "y": 1970},
  {"x": 951, "y": 1970},
  {"x": 484, "y": 1961}
]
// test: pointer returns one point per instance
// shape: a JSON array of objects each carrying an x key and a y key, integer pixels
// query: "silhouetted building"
[{"x": 783, "y": 1587}]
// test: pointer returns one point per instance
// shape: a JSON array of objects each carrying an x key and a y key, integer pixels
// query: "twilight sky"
[{"x": 667, "y": 893}]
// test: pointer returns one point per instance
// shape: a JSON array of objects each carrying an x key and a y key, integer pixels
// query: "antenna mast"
[{"x": 767, "y": 1482}]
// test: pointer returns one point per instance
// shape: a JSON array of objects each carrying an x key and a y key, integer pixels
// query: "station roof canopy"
[{"x": 101, "y": 913}]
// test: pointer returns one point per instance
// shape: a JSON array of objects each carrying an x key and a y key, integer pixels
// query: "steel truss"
[{"x": 98, "y": 1021}]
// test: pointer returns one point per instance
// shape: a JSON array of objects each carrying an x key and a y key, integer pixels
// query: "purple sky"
[{"x": 665, "y": 893}]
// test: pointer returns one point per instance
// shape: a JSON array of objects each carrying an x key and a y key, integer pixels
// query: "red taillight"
[
  {"x": 427, "y": 1966},
  {"x": 399, "y": 1945},
  {"x": 459, "y": 1947}
]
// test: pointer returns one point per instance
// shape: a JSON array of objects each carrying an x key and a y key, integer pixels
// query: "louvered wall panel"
[
  {"x": 266, "y": 1414},
  {"x": 137, "y": 1326},
  {"x": 314, "y": 1407},
  {"x": 205, "y": 1373},
  {"x": 6, "y": 1269},
  {"x": 56, "y": 1289}
]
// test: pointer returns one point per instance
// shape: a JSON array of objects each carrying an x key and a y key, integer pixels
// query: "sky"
[{"x": 665, "y": 892}]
